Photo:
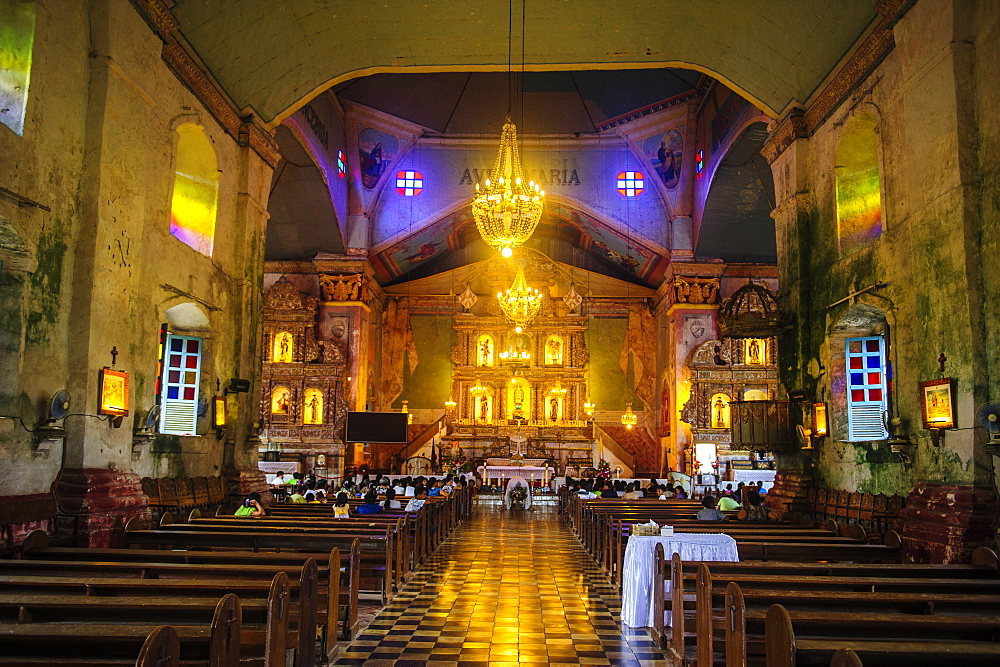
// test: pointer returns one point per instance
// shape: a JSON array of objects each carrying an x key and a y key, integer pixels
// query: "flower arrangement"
[
  {"x": 604, "y": 470},
  {"x": 456, "y": 464},
  {"x": 519, "y": 493}
]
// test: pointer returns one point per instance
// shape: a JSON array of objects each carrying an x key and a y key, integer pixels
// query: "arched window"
[
  {"x": 859, "y": 199},
  {"x": 196, "y": 190},
  {"x": 17, "y": 38}
]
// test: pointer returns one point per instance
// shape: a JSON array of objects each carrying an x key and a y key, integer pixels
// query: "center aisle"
[{"x": 507, "y": 588}]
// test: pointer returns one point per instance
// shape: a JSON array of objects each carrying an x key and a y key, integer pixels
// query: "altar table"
[
  {"x": 637, "y": 567},
  {"x": 500, "y": 474}
]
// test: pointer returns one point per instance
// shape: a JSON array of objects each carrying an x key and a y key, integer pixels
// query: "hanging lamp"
[
  {"x": 507, "y": 209},
  {"x": 520, "y": 303},
  {"x": 629, "y": 419}
]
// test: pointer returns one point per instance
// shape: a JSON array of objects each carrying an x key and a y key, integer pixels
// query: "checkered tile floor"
[{"x": 507, "y": 588}]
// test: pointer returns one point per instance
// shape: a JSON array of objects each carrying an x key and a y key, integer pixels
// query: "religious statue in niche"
[
  {"x": 282, "y": 353},
  {"x": 554, "y": 409},
  {"x": 313, "y": 408},
  {"x": 485, "y": 350},
  {"x": 554, "y": 350},
  {"x": 484, "y": 410},
  {"x": 720, "y": 411},
  {"x": 755, "y": 352},
  {"x": 517, "y": 399},
  {"x": 519, "y": 345},
  {"x": 281, "y": 400}
]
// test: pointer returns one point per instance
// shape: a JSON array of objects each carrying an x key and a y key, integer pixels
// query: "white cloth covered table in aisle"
[{"x": 637, "y": 567}]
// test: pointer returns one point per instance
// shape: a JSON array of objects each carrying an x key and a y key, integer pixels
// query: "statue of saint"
[
  {"x": 314, "y": 410},
  {"x": 485, "y": 358},
  {"x": 484, "y": 409},
  {"x": 553, "y": 409},
  {"x": 720, "y": 413},
  {"x": 553, "y": 349},
  {"x": 753, "y": 351}
]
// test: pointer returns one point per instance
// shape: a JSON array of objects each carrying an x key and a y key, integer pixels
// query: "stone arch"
[
  {"x": 858, "y": 189},
  {"x": 187, "y": 317}
]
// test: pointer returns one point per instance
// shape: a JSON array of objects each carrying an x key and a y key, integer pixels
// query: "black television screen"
[{"x": 376, "y": 427}]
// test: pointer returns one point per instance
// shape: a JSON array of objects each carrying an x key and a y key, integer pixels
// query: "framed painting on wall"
[
  {"x": 114, "y": 392},
  {"x": 936, "y": 403}
]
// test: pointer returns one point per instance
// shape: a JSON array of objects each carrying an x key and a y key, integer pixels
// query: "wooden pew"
[
  {"x": 865, "y": 605},
  {"x": 785, "y": 650},
  {"x": 377, "y": 564},
  {"x": 47, "y": 577},
  {"x": 337, "y": 582},
  {"x": 62, "y": 630}
]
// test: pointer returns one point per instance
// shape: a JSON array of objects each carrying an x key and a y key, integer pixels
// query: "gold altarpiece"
[
  {"x": 531, "y": 383},
  {"x": 302, "y": 399},
  {"x": 727, "y": 370}
]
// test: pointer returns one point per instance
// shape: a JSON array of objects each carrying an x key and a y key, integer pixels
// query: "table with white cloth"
[
  {"x": 637, "y": 567},
  {"x": 499, "y": 475}
]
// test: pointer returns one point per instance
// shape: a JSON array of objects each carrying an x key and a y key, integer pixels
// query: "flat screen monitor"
[{"x": 376, "y": 427}]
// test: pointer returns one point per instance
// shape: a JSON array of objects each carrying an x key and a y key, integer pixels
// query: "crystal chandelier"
[
  {"x": 506, "y": 210},
  {"x": 520, "y": 303},
  {"x": 588, "y": 408},
  {"x": 629, "y": 419},
  {"x": 478, "y": 390},
  {"x": 557, "y": 390}
]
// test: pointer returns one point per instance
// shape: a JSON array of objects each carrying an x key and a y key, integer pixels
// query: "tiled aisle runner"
[{"x": 507, "y": 588}]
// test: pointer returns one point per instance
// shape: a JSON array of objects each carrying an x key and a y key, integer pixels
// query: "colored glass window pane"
[
  {"x": 871, "y": 346},
  {"x": 192, "y": 347},
  {"x": 854, "y": 346},
  {"x": 874, "y": 394},
  {"x": 875, "y": 361},
  {"x": 630, "y": 183},
  {"x": 409, "y": 183},
  {"x": 177, "y": 345},
  {"x": 341, "y": 164},
  {"x": 874, "y": 378},
  {"x": 857, "y": 378},
  {"x": 174, "y": 376},
  {"x": 857, "y": 362},
  {"x": 172, "y": 392},
  {"x": 857, "y": 394}
]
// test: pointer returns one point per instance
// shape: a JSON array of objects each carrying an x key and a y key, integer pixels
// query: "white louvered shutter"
[
  {"x": 867, "y": 388},
  {"x": 181, "y": 377}
]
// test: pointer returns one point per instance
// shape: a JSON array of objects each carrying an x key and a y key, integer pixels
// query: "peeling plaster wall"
[
  {"x": 98, "y": 148},
  {"x": 938, "y": 210}
]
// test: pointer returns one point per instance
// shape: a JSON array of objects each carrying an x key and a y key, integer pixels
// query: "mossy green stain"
[{"x": 46, "y": 286}]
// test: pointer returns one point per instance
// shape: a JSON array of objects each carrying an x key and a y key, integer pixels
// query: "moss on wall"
[
  {"x": 430, "y": 384},
  {"x": 609, "y": 388},
  {"x": 46, "y": 286}
]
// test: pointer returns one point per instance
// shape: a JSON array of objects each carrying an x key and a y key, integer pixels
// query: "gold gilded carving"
[
  {"x": 695, "y": 290},
  {"x": 791, "y": 127},
  {"x": 283, "y": 294},
  {"x": 341, "y": 287},
  {"x": 581, "y": 355},
  {"x": 330, "y": 353}
]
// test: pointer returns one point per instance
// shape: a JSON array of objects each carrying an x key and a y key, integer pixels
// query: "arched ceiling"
[
  {"x": 737, "y": 225},
  {"x": 274, "y": 56}
]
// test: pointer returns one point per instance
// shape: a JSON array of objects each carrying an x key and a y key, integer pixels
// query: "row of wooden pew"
[
  {"x": 182, "y": 494},
  {"x": 875, "y": 511},
  {"x": 802, "y": 594},
  {"x": 285, "y": 581}
]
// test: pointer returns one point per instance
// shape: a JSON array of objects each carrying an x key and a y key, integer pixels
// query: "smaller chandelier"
[
  {"x": 629, "y": 419},
  {"x": 557, "y": 390},
  {"x": 588, "y": 408},
  {"x": 506, "y": 210},
  {"x": 520, "y": 303},
  {"x": 478, "y": 390},
  {"x": 450, "y": 404},
  {"x": 515, "y": 356}
]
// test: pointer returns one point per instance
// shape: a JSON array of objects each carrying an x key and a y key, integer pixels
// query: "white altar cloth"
[
  {"x": 503, "y": 473},
  {"x": 637, "y": 567}
]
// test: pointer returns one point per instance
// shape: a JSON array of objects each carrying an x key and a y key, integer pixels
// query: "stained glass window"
[
  {"x": 630, "y": 183},
  {"x": 867, "y": 388},
  {"x": 409, "y": 183},
  {"x": 181, "y": 377},
  {"x": 699, "y": 163},
  {"x": 341, "y": 164}
]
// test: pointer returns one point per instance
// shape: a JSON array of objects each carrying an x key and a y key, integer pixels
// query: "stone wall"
[
  {"x": 101, "y": 268},
  {"x": 926, "y": 278}
]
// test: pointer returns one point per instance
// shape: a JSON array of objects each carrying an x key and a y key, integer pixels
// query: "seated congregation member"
[
  {"x": 296, "y": 497},
  {"x": 251, "y": 506},
  {"x": 753, "y": 510},
  {"x": 418, "y": 499},
  {"x": 607, "y": 490},
  {"x": 668, "y": 493},
  {"x": 632, "y": 492},
  {"x": 435, "y": 489},
  {"x": 585, "y": 491},
  {"x": 727, "y": 504},
  {"x": 310, "y": 497},
  {"x": 708, "y": 511},
  {"x": 279, "y": 479},
  {"x": 341, "y": 506},
  {"x": 370, "y": 505},
  {"x": 653, "y": 490},
  {"x": 400, "y": 487},
  {"x": 411, "y": 488},
  {"x": 390, "y": 502},
  {"x": 680, "y": 493}
]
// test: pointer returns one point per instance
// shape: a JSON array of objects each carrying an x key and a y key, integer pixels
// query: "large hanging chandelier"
[
  {"x": 629, "y": 419},
  {"x": 520, "y": 303},
  {"x": 507, "y": 209}
]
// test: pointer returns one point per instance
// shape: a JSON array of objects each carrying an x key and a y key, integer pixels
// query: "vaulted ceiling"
[{"x": 274, "y": 56}]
